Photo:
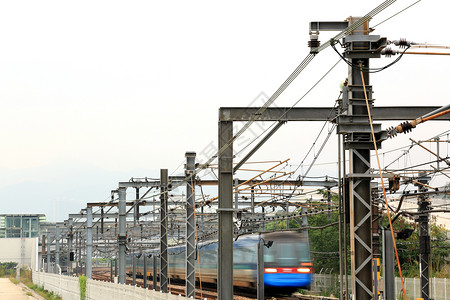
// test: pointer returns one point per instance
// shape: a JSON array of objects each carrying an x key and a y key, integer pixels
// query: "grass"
[
  {"x": 44, "y": 293},
  {"x": 26, "y": 279},
  {"x": 13, "y": 280}
]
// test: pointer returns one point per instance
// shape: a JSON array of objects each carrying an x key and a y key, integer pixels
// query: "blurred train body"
[{"x": 287, "y": 262}]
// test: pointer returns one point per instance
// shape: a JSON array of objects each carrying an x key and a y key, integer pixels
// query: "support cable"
[
  {"x": 381, "y": 178},
  {"x": 396, "y": 14}
]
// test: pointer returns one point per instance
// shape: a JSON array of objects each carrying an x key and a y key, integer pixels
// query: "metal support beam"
[
  {"x": 49, "y": 265},
  {"x": 359, "y": 156},
  {"x": 70, "y": 246},
  {"x": 136, "y": 208},
  {"x": 57, "y": 233},
  {"x": 424, "y": 240},
  {"x": 260, "y": 269},
  {"x": 225, "y": 251},
  {"x": 134, "y": 268},
  {"x": 259, "y": 145},
  {"x": 388, "y": 265},
  {"x": 164, "y": 281},
  {"x": 145, "y": 272},
  {"x": 122, "y": 237},
  {"x": 111, "y": 273},
  {"x": 155, "y": 272},
  {"x": 386, "y": 113},
  {"x": 190, "y": 225},
  {"x": 89, "y": 243},
  {"x": 79, "y": 263}
]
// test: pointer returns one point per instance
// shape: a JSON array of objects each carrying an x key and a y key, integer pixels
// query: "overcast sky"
[{"x": 96, "y": 92}]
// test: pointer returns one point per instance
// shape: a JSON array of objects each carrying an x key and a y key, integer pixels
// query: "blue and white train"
[{"x": 287, "y": 263}]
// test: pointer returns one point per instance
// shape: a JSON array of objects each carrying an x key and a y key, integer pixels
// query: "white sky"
[{"x": 95, "y": 92}]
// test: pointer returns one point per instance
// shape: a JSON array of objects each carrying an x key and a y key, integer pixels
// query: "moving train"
[{"x": 287, "y": 263}]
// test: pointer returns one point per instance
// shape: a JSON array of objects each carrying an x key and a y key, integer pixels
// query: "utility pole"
[
  {"x": 190, "y": 225},
  {"x": 164, "y": 177},
  {"x": 424, "y": 238},
  {"x": 89, "y": 242},
  {"x": 122, "y": 237},
  {"x": 225, "y": 210},
  {"x": 49, "y": 265},
  {"x": 70, "y": 246},
  {"x": 56, "y": 249},
  {"x": 353, "y": 123}
]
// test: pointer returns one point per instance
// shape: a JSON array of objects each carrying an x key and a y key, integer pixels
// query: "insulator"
[
  {"x": 388, "y": 52},
  {"x": 391, "y": 132},
  {"x": 313, "y": 43},
  {"x": 406, "y": 127},
  {"x": 402, "y": 43}
]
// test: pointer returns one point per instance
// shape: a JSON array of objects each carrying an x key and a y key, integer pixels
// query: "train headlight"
[{"x": 270, "y": 270}]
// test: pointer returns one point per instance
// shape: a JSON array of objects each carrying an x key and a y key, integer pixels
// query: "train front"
[{"x": 287, "y": 264}]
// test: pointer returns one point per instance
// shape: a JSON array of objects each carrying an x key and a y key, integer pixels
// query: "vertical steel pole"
[
  {"x": 155, "y": 272},
  {"x": 145, "y": 271},
  {"x": 252, "y": 199},
  {"x": 164, "y": 220},
  {"x": 89, "y": 243},
  {"x": 49, "y": 265},
  {"x": 115, "y": 267},
  {"x": 287, "y": 214},
  {"x": 388, "y": 266},
  {"x": 345, "y": 200},
  {"x": 341, "y": 265},
  {"x": 360, "y": 197},
  {"x": 111, "y": 273},
  {"x": 134, "y": 269},
  {"x": 70, "y": 246},
  {"x": 136, "y": 208},
  {"x": 122, "y": 233},
  {"x": 225, "y": 251},
  {"x": 43, "y": 253},
  {"x": 57, "y": 263},
  {"x": 236, "y": 194},
  {"x": 305, "y": 220},
  {"x": 260, "y": 269},
  {"x": 190, "y": 225},
  {"x": 424, "y": 244}
]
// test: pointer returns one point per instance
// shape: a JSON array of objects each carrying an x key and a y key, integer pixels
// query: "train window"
[
  {"x": 287, "y": 255},
  {"x": 244, "y": 255},
  {"x": 269, "y": 254},
  {"x": 303, "y": 250}
]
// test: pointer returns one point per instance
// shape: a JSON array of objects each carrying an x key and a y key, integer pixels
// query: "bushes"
[
  {"x": 44, "y": 293},
  {"x": 8, "y": 269},
  {"x": 82, "y": 280}
]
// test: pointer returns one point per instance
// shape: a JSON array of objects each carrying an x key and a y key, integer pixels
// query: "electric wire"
[
  {"x": 367, "y": 69},
  {"x": 396, "y": 13}
]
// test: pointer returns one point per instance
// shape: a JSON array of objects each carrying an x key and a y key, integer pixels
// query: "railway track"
[{"x": 207, "y": 292}]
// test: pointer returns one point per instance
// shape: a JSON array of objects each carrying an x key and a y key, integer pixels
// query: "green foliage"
[
  {"x": 8, "y": 269},
  {"x": 408, "y": 250},
  {"x": 13, "y": 280},
  {"x": 44, "y": 293},
  {"x": 82, "y": 280},
  {"x": 324, "y": 244}
]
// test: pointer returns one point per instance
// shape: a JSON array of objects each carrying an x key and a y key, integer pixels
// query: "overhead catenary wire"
[
  {"x": 396, "y": 14},
  {"x": 286, "y": 83}
]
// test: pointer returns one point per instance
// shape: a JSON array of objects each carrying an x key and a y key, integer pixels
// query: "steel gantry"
[
  {"x": 360, "y": 174},
  {"x": 190, "y": 224}
]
